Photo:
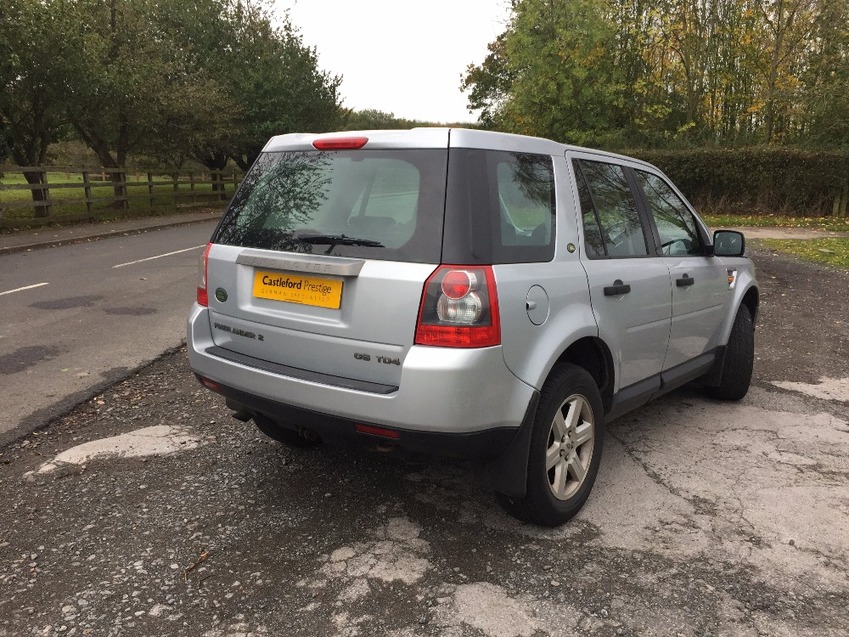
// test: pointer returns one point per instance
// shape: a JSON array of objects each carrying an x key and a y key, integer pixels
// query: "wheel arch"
[
  {"x": 592, "y": 354},
  {"x": 750, "y": 297},
  {"x": 752, "y": 300},
  {"x": 508, "y": 473}
]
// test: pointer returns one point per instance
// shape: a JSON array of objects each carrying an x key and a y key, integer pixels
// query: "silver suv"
[{"x": 470, "y": 293}]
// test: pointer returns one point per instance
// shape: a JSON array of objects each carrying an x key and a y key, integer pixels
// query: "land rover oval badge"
[{"x": 221, "y": 294}]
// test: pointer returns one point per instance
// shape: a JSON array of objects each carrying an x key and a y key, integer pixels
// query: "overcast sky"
[{"x": 397, "y": 56}]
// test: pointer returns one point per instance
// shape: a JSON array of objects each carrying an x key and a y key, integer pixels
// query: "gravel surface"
[{"x": 707, "y": 518}]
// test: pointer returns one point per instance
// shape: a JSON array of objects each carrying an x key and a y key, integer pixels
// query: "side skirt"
[{"x": 638, "y": 394}]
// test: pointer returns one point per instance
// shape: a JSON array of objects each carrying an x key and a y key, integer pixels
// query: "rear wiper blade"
[{"x": 337, "y": 239}]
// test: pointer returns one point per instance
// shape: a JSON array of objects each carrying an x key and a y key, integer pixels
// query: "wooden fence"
[{"x": 34, "y": 196}]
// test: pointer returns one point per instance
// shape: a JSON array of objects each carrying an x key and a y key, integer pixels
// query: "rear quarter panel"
[{"x": 530, "y": 351}]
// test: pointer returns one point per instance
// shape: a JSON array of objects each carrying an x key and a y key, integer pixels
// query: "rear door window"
[
  {"x": 366, "y": 203},
  {"x": 612, "y": 223}
]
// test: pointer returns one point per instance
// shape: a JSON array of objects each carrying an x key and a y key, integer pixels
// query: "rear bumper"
[
  {"x": 480, "y": 445},
  {"x": 466, "y": 393}
]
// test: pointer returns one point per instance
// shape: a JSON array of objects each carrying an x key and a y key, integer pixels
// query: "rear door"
[{"x": 630, "y": 287}]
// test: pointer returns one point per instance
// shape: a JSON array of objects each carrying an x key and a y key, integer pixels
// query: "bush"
[{"x": 758, "y": 179}]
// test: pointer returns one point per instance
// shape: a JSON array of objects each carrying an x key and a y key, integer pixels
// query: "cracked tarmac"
[{"x": 707, "y": 518}]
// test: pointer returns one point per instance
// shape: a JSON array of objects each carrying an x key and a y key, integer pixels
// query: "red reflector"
[
  {"x": 210, "y": 384},
  {"x": 378, "y": 431},
  {"x": 340, "y": 143}
]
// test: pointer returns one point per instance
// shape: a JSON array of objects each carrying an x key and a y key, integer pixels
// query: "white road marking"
[
  {"x": 158, "y": 256},
  {"x": 26, "y": 287}
]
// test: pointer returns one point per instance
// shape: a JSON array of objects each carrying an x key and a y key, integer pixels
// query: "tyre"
[
  {"x": 282, "y": 434},
  {"x": 736, "y": 374},
  {"x": 565, "y": 449}
]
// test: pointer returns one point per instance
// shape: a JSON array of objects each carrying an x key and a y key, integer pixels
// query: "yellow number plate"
[{"x": 296, "y": 288}]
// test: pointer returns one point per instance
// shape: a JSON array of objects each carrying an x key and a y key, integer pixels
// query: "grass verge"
[
  {"x": 830, "y": 224},
  {"x": 832, "y": 251}
]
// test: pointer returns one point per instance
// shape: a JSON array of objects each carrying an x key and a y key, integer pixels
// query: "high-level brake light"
[{"x": 340, "y": 143}]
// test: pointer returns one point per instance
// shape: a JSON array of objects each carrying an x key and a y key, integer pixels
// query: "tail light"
[
  {"x": 203, "y": 294},
  {"x": 459, "y": 308}
]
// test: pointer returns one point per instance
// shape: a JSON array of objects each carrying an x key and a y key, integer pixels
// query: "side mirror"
[{"x": 728, "y": 243}]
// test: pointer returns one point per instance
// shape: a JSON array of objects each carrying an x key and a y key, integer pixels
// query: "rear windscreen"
[
  {"x": 498, "y": 207},
  {"x": 363, "y": 203}
]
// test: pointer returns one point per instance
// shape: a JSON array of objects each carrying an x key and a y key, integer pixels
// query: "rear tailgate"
[{"x": 365, "y": 338}]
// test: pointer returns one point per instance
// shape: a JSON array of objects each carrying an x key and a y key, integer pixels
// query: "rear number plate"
[{"x": 295, "y": 288}]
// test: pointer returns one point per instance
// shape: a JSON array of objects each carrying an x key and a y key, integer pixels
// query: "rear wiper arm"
[{"x": 337, "y": 239}]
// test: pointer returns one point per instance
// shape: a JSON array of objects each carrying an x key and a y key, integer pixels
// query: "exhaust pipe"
[{"x": 309, "y": 434}]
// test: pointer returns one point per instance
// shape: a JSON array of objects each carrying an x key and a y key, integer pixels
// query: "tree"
[
  {"x": 825, "y": 80},
  {"x": 31, "y": 42},
  {"x": 206, "y": 79},
  {"x": 373, "y": 119},
  {"x": 785, "y": 27},
  {"x": 270, "y": 81},
  {"x": 551, "y": 74},
  {"x": 203, "y": 37},
  {"x": 276, "y": 83},
  {"x": 489, "y": 85},
  {"x": 129, "y": 85},
  {"x": 669, "y": 71}
]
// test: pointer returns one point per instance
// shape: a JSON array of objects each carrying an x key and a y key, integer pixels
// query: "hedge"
[{"x": 758, "y": 179}]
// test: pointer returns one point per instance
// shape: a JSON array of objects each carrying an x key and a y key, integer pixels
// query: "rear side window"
[
  {"x": 612, "y": 223},
  {"x": 500, "y": 207},
  {"x": 362, "y": 203}
]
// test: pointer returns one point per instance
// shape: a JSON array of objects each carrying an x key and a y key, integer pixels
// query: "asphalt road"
[
  {"x": 79, "y": 317},
  {"x": 148, "y": 510}
]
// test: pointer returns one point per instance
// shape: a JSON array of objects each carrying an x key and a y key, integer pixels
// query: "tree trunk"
[
  {"x": 119, "y": 190},
  {"x": 39, "y": 195},
  {"x": 216, "y": 161},
  {"x": 117, "y": 163}
]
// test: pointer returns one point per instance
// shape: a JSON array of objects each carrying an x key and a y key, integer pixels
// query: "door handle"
[
  {"x": 685, "y": 281},
  {"x": 617, "y": 288}
]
